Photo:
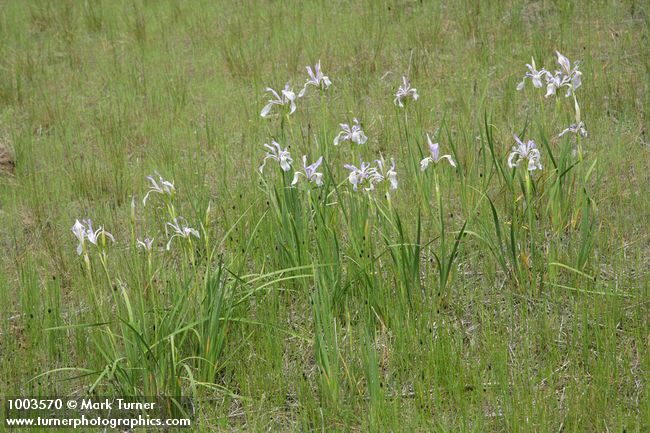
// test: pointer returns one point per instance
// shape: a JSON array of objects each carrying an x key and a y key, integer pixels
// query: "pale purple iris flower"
[
  {"x": 553, "y": 82},
  {"x": 352, "y": 133},
  {"x": 404, "y": 92},
  {"x": 434, "y": 150},
  {"x": 284, "y": 98},
  {"x": 358, "y": 174},
  {"x": 84, "y": 232},
  {"x": 382, "y": 172},
  {"x": 276, "y": 153},
  {"x": 534, "y": 75},
  {"x": 572, "y": 76},
  {"x": 146, "y": 244},
  {"x": 160, "y": 187},
  {"x": 309, "y": 172},
  {"x": 575, "y": 128},
  {"x": 525, "y": 152},
  {"x": 567, "y": 76},
  {"x": 316, "y": 78},
  {"x": 181, "y": 230}
]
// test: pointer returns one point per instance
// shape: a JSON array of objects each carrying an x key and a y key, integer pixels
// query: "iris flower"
[
  {"x": 286, "y": 97},
  {"x": 575, "y": 128},
  {"x": 534, "y": 75},
  {"x": 571, "y": 75},
  {"x": 310, "y": 172},
  {"x": 181, "y": 230},
  {"x": 275, "y": 152},
  {"x": 316, "y": 78},
  {"x": 525, "y": 152},
  {"x": 352, "y": 133},
  {"x": 434, "y": 149},
  {"x": 84, "y": 232},
  {"x": 358, "y": 174},
  {"x": 160, "y": 187},
  {"x": 553, "y": 82},
  {"x": 404, "y": 92},
  {"x": 146, "y": 244},
  {"x": 381, "y": 172},
  {"x": 567, "y": 76}
]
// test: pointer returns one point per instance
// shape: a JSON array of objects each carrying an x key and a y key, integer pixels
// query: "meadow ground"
[{"x": 479, "y": 297}]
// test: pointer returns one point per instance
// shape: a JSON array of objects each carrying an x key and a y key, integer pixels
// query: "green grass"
[{"x": 469, "y": 299}]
